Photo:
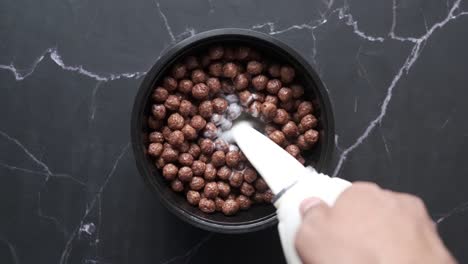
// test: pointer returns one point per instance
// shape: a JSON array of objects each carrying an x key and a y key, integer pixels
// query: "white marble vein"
[
  {"x": 11, "y": 248},
  {"x": 45, "y": 169},
  {"x": 455, "y": 211},
  {"x": 410, "y": 60},
  {"x": 27, "y": 152},
  {"x": 21, "y": 74},
  {"x": 191, "y": 252},
  {"x": 343, "y": 14},
  {"x": 89, "y": 207},
  {"x": 166, "y": 22},
  {"x": 93, "y": 104}
]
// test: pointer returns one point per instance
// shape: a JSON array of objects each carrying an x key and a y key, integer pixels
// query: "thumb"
[{"x": 312, "y": 204}]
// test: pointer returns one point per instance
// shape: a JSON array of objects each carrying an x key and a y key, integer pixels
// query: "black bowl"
[{"x": 259, "y": 216}]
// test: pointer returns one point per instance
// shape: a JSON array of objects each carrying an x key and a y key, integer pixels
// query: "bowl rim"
[{"x": 156, "y": 70}]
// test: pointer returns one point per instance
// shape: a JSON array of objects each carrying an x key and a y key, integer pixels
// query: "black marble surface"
[{"x": 70, "y": 191}]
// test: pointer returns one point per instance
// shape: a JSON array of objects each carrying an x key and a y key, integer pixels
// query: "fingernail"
[{"x": 308, "y": 204}]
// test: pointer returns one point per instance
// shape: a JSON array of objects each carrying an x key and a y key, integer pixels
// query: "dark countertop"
[{"x": 70, "y": 191}]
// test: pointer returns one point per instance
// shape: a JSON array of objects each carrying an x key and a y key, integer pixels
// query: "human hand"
[{"x": 369, "y": 225}]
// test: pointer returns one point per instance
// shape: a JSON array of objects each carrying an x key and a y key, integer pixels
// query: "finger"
[
  {"x": 308, "y": 204},
  {"x": 313, "y": 208}
]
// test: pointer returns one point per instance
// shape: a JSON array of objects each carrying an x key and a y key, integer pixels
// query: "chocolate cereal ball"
[
  {"x": 294, "y": 150},
  {"x": 214, "y": 84},
  {"x": 230, "y": 70},
  {"x": 290, "y": 129},
  {"x": 250, "y": 175},
  {"x": 197, "y": 183},
  {"x": 308, "y": 122},
  {"x": 210, "y": 172},
  {"x": 268, "y": 196},
  {"x": 281, "y": 117},
  {"x": 194, "y": 150},
  {"x": 193, "y": 197},
  {"x": 184, "y": 147},
  {"x": 166, "y": 131},
  {"x": 189, "y": 132},
  {"x": 220, "y": 105},
  {"x": 210, "y": 131},
  {"x": 198, "y": 167},
  {"x": 297, "y": 91},
  {"x": 224, "y": 173},
  {"x": 259, "y": 82},
  {"x": 185, "y": 174},
  {"x": 230, "y": 207},
  {"x": 177, "y": 185},
  {"x": 218, "y": 158},
  {"x": 216, "y": 69},
  {"x": 216, "y": 52},
  {"x": 268, "y": 110},
  {"x": 179, "y": 71},
  {"x": 176, "y": 138},
  {"x": 232, "y": 158},
  {"x": 207, "y": 146},
  {"x": 158, "y": 111},
  {"x": 170, "y": 171},
  {"x": 269, "y": 128},
  {"x": 199, "y": 76},
  {"x": 185, "y": 159},
  {"x": 156, "y": 137},
  {"x": 244, "y": 202},
  {"x": 172, "y": 103},
  {"x": 224, "y": 189},
  {"x": 257, "y": 197},
  {"x": 245, "y": 98},
  {"x": 160, "y": 163},
  {"x": 271, "y": 99},
  {"x": 277, "y": 137},
  {"x": 311, "y": 136},
  {"x": 205, "y": 109},
  {"x": 273, "y": 86},
  {"x": 200, "y": 91},
  {"x": 169, "y": 154},
  {"x": 287, "y": 74},
  {"x": 185, "y": 108},
  {"x": 274, "y": 70},
  {"x": 242, "y": 53},
  {"x": 211, "y": 190},
  {"x": 219, "y": 204},
  {"x": 260, "y": 185},
  {"x": 247, "y": 189},
  {"x": 241, "y": 82},
  {"x": 185, "y": 86},
  {"x": 170, "y": 84},
  {"x": 285, "y": 94},
  {"x": 175, "y": 121},
  {"x": 207, "y": 205},
  {"x": 221, "y": 144},
  {"x": 205, "y": 158},
  {"x": 198, "y": 122},
  {"x": 302, "y": 144},
  {"x": 155, "y": 149},
  {"x": 254, "y": 67},
  {"x": 236, "y": 179},
  {"x": 304, "y": 109},
  {"x": 160, "y": 94}
]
